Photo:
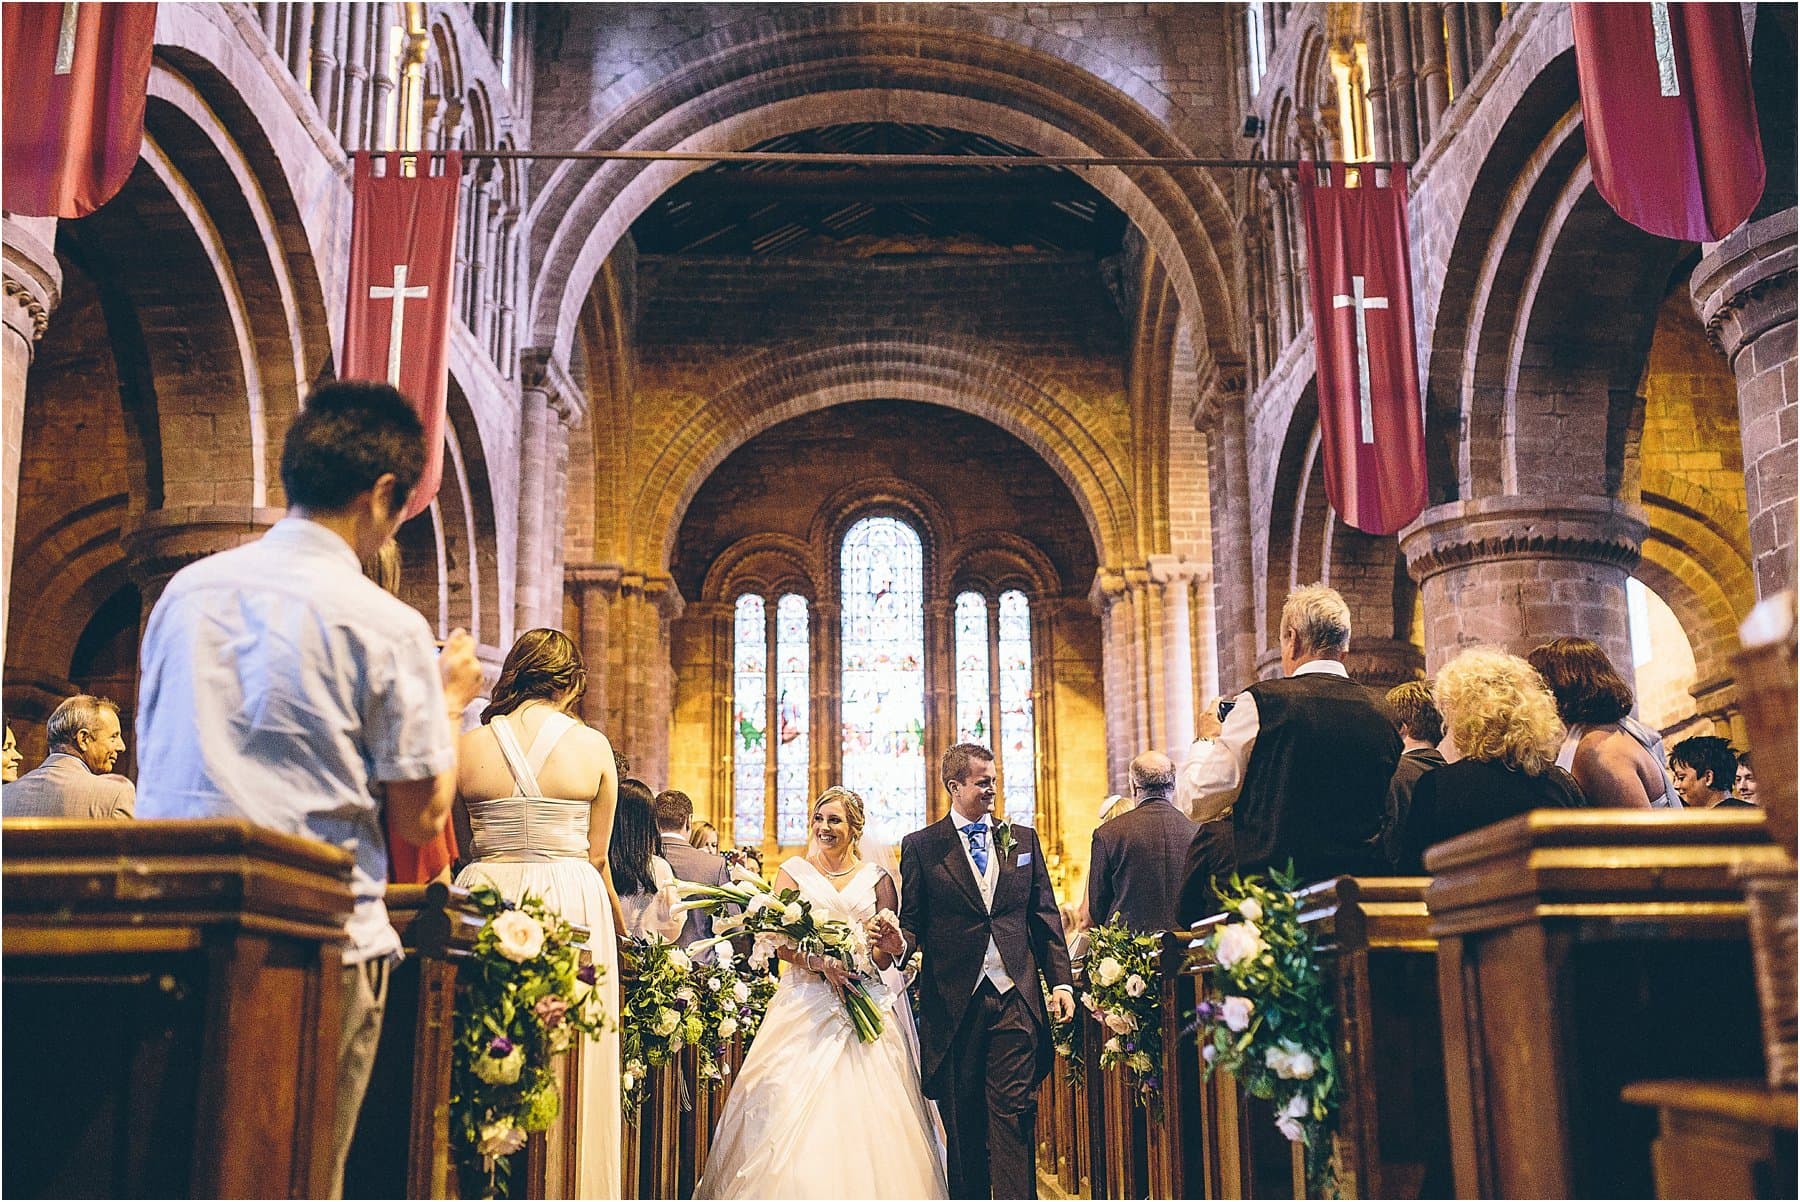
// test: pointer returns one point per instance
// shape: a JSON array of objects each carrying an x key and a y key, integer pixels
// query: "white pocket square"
[{"x": 1024, "y": 858}]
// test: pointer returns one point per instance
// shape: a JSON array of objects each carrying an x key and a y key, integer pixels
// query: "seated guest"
[
  {"x": 691, "y": 863},
  {"x": 76, "y": 780},
  {"x": 646, "y": 884},
  {"x": 1617, "y": 760},
  {"x": 1705, "y": 770},
  {"x": 1745, "y": 790},
  {"x": 1502, "y": 722},
  {"x": 10, "y": 759},
  {"x": 1304, "y": 762},
  {"x": 1136, "y": 870},
  {"x": 1421, "y": 730},
  {"x": 705, "y": 836}
]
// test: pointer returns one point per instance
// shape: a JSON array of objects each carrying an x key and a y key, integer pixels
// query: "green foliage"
[
  {"x": 1124, "y": 993},
  {"x": 1065, "y": 1038}
]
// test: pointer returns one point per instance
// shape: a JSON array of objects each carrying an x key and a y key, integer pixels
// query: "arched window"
[
  {"x": 974, "y": 695},
  {"x": 770, "y": 712},
  {"x": 1256, "y": 55},
  {"x": 749, "y": 721},
  {"x": 792, "y": 706},
  {"x": 882, "y": 585},
  {"x": 993, "y": 693}
]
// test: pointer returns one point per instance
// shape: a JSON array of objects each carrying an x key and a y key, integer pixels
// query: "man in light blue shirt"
[{"x": 280, "y": 685}]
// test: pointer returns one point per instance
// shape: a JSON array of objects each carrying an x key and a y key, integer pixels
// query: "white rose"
[
  {"x": 501, "y": 1138},
  {"x": 1278, "y": 1061},
  {"x": 727, "y": 1027},
  {"x": 666, "y": 1021},
  {"x": 1124, "y": 1024},
  {"x": 635, "y": 1067},
  {"x": 1250, "y": 908},
  {"x": 1112, "y": 1044},
  {"x": 740, "y": 991},
  {"x": 1109, "y": 971},
  {"x": 1209, "y": 1053},
  {"x": 792, "y": 914},
  {"x": 1238, "y": 943},
  {"x": 518, "y": 936},
  {"x": 1290, "y": 1128},
  {"x": 1298, "y": 1107},
  {"x": 679, "y": 959},
  {"x": 1302, "y": 1064},
  {"x": 1136, "y": 985},
  {"x": 713, "y": 984},
  {"x": 627, "y": 1080},
  {"x": 1237, "y": 1012}
]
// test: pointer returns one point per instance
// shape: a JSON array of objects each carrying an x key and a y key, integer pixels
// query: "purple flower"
[
  {"x": 586, "y": 975},
  {"x": 1205, "y": 1010},
  {"x": 500, "y": 1047}
]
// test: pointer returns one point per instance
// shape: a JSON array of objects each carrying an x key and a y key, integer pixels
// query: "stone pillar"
[
  {"x": 1434, "y": 76},
  {"x": 1403, "y": 110},
  {"x": 1176, "y": 579},
  {"x": 1220, "y": 413},
  {"x": 625, "y": 638},
  {"x": 550, "y": 405},
  {"x": 33, "y": 285},
  {"x": 594, "y": 587},
  {"x": 1744, "y": 292},
  {"x": 1519, "y": 571},
  {"x": 1456, "y": 33}
]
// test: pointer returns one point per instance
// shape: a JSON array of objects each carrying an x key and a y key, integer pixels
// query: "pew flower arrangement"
[
  {"x": 1271, "y": 1024},
  {"x": 1123, "y": 994},
  {"x": 527, "y": 998},
  {"x": 663, "y": 1009},
  {"x": 723, "y": 996}
]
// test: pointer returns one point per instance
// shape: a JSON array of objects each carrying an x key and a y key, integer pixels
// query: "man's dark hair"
[
  {"x": 955, "y": 766},
  {"x": 1589, "y": 690},
  {"x": 349, "y": 435},
  {"x": 1417, "y": 713},
  {"x": 634, "y": 839},
  {"x": 674, "y": 810},
  {"x": 1708, "y": 753}
]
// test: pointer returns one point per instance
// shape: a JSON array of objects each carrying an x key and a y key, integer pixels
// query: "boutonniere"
[{"x": 1003, "y": 838}]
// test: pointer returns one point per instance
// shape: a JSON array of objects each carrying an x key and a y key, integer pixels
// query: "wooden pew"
[
  {"x": 172, "y": 992},
  {"x": 1579, "y": 951}
]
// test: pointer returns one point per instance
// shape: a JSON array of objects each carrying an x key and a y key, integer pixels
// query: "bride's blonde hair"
[{"x": 853, "y": 811}]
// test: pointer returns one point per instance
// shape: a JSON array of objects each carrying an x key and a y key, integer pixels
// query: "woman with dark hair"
[
  {"x": 648, "y": 891},
  {"x": 540, "y": 789},
  {"x": 1617, "y": 760}
]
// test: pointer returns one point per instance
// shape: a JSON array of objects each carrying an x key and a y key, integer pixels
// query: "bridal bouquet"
[{"x": 785, "y": 919}]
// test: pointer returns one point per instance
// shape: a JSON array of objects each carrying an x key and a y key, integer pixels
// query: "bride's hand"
[{"x": 835, "y": 972}]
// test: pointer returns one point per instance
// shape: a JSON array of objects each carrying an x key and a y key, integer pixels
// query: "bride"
[{"x": 814, "y": 1113}]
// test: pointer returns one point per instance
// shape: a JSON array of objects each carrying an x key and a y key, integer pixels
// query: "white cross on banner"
[
  {"x": 1362, "y": 304},
  {"x": 1664, "y": 43},
  {"x": 397, "y": 319}
]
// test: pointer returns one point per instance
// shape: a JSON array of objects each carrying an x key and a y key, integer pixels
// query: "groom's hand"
[{"x": 1062, "y": 1003}]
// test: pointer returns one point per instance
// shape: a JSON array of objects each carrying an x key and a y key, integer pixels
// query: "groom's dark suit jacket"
[{"x": 942, "y": 914}]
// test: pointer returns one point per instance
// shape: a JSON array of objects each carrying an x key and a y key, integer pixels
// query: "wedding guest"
[
  {"x": 1136, "y": 869},
  {"x": 1303, "y": 762},
  {"x": 1503, "y": 723},
  {"x": 705, "y": 836},
  {"x": 280, "y": 685},
  {"x": 9, "y": 759},
  {"x": 76, "y": 780},
  {"x": 1421, "y": 730},
  {"x": 1745, "y": 790},
  {"x": 1206, "y": 732},
  {"x": 1617, "y": 760},
  {"x": 1705, "y": 770},
  {"x": 689, "y": 861},
  {"x": 646, "y": 884}
]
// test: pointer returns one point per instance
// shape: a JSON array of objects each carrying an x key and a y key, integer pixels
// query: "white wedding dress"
[{"x": 814, "y": 1113}]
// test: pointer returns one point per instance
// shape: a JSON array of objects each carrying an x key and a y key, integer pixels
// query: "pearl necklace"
[{"x": 846, "y": 872}]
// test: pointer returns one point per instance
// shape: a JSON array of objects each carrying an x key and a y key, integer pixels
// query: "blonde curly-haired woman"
[{"x": 1502, "y": 721}]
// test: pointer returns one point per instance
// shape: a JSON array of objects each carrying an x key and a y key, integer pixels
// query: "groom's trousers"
[{"x": 990, "y": 1118}]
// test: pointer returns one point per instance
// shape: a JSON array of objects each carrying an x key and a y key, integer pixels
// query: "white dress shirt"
[{"x": 1210, "y": 782}]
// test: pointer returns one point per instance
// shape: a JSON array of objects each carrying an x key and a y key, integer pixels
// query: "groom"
[{"x": 976, "y": 900}]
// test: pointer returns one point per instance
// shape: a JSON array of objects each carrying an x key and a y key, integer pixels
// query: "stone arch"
[
  {"x": 767, "y": 564},
  {"x": 949, "y": 372},
  {"x": 782, "y": 72},
  {"x": 882, "y": 496},
  {"x": 993, "y": 561}
]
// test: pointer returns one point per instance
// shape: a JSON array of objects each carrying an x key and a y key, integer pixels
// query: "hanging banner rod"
[{"x": 807, "y": 159}]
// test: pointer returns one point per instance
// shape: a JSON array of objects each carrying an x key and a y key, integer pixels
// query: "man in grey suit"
[
  {"x": 76, "y": 780},
  {"x": 675, "y": 819},
  {"x": 1140, "y": 858}
]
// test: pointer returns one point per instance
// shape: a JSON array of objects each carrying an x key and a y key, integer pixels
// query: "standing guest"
[
  {"x": 1745, "y": 790},
  {"x": 9, "y": 759},
  {"x": 1617, "y": 760},
  {"x": 705, "y": 836},
  {"x": 1304, "y": 762},
  {"x": 648, "y": 892},
  {"x": 1136, "y": 869},
  {"x": 76, "y": 780},
  {"x": 1421, "y": 730},
  {"x": 690, "y": 862},
  {"x": 1206, "y": 733},
  {"x": 1503, "y": 723},
  {"x": 1705, "y": 770},
  {"x": 280, "y": 685}
]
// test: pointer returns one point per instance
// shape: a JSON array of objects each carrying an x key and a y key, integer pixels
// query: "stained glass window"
[
  {"x": 1018, "y": 735},
  {"x": 792, "y": 681},
  {"x": 749, "y": 720},
  {"x": 972, "y": 685},
  {"x": 882, "y": 584}
]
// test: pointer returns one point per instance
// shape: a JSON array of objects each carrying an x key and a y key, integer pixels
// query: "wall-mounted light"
[{"x": 1253, "y": 126}]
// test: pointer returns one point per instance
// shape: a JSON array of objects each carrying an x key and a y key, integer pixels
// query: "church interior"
[{"x": 703, "y": 413}]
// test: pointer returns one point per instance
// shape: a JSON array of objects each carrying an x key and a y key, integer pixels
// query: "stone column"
[
  {"x": 625, "y": 637},
  {"x": 1176, "y": 578},
  {"x": 1403, "y": 110},
  {"x": 594, "y": 587},
  {"x": 1519, "y": 571},
  {"x": 1744, "y": 292},
  {"x": 33, "y": 286},
  {"x": 550, "y": 405},
  {"x": 1434, "y": 76}
]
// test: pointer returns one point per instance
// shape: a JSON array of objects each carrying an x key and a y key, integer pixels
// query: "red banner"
[
  {"x": 74, "y": 83},
  {"x": 397, "y": 319},
  {"x": 1370, "y": 424},
  {"x": 1670, "y": 115}
]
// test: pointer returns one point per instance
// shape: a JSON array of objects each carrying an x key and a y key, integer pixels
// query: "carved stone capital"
[
  {"x": 166, "y": 540},
  {"x": 1492, "y": 529},
  {"x": 33, "y": 281},
  {"x": 589, "y": 580},
  {"x": 1745, "y": 286},
  {"x": 1172, "y": 569},
  {"x": 1109, "y": 585},
  {"x": 1221, "y": 384},
  {"x": 542, "y": 373}
]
